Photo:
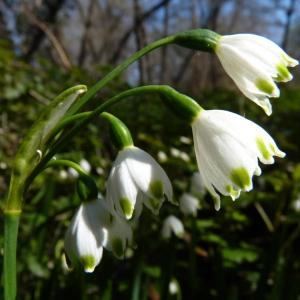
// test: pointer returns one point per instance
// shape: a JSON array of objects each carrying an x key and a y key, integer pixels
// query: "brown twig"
[{"x": 66, "y": 63}]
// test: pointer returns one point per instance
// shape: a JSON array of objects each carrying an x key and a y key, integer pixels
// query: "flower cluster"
[
  {"x": 135, "y": 179},
  {"x": 228, "y": 150},
  {"x": 92, "y": 228}
]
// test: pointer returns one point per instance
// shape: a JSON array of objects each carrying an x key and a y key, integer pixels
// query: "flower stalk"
[
  {"x": 11, "y": 227},
  {"x": 198, "y": 39},
  {"x": 183, "y": 105}
]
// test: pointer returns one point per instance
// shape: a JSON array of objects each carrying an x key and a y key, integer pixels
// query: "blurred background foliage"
[{"x": 247, "y": 250}]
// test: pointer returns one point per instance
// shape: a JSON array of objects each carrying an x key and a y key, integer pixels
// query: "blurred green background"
[{"x": 247, "y": 250}]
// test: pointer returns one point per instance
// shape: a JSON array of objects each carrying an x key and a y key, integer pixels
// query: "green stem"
[
  {"x": 86, "y": 186},
  {"x": 67, "y": 163},
  {"x": 88, "y": 117},
  {"x": 118, "y": 70},
  {"x": 197, "y": 39},
  {"x": 136, "y": 289},
  {"x": 184, "y": 105},
  {"x": 11, "y": 225}
]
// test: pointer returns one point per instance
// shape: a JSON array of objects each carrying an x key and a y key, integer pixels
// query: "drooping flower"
[
  {"x": 93, "y": 228},
  {"x": 254, "y": 63},
  {"x": 119, "y": 236},
  {"x": 86, "y": 235},
  {"x": 188, "y": 204},
  {"x": 172, "y": 225},
  {"x": 227, "y": 148},
  {"x": 136, "y": 176}
]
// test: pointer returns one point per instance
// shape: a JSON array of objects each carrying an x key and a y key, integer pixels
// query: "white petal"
[
  {"x": 245, "y": 131},
  {"x": 145, "y": 172},
  {"x": 121, "y": 190},
  {"x": 172, "y": 225},
  {"x": 136, "y": 171},
  {"x": 227, "y": 152},
  {"x": 254, "y": 62},
  {"x": 85, "y": 237},
  {"x": 138, "y": 207},
  {"x": 153, "y": 204},
  {"x": 119, "y": 236},
  {"x": 214, "y": 152}
]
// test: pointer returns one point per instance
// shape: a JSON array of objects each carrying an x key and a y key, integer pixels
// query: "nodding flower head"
[
  {"x": 86, "y": 235},
  {"x": 255, "y": 63},
  {"x": 136, "y": 176},
  {"x": 172, "y": 225},
  {"x": 228, "y": 148},
  {"x": 93, "y": 228},
  {"x": 119, "y": 235}
]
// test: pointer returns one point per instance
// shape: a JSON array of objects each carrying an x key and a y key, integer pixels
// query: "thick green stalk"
[{"x": 11, "y": 225}]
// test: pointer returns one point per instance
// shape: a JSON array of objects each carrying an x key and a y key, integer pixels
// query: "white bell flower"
[
  {"x": 254, "y": 63},
  {"x": 172, "y": 225},
  {"x": 227, "y": 148},
  {"x": 86, "y": 235},
  {"x": 135, "y": 175},
  {"x": 119, "y": 236},
  {"x": 188, "y": 204}
]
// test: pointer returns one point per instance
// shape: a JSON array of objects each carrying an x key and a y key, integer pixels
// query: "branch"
[
  {"x": 53, "y": 39},
  {"x": 127, "y": 34},
  {"x": 50, "y": 10},
  {"x": 289, "y": 12}
]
